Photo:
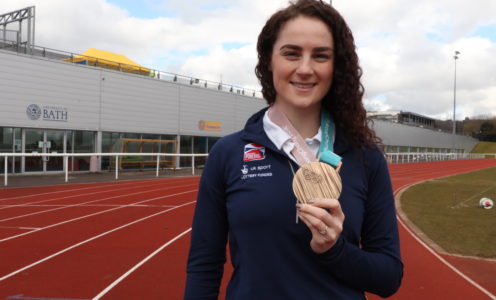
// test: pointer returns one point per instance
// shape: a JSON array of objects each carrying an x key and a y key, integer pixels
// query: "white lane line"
[
  {"x": 85, "y": 205},
  {"x": 125, "y": 182},
  {"x": 118, "y": 280},
  {"x": 59, "y": 207},
  {"x": 489, "y": 294},
  {"x": 91, "y": 215},
  {"x": 88, "y": 240},
  {"x": 16, "y": 227},
  {"x": 432, "y": 251},
  {"x": 78, "y": 195},
  {"x": 65, "y": 190}
]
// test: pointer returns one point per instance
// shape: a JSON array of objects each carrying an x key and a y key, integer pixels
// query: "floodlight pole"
[{"x": 455, "y": 57}]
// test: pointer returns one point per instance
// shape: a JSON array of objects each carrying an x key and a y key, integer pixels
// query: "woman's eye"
[
  {"x": 291, "y": 54},
  {"x": 322, "y": 56}
]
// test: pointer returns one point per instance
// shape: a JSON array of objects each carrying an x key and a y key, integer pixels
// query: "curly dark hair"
[{"x": 344, "y": 99}]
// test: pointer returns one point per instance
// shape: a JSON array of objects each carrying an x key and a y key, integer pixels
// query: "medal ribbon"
[{"x": 301, "y": 151}]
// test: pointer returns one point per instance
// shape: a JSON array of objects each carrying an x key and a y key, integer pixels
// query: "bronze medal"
[{"x": 316, "y": 180}]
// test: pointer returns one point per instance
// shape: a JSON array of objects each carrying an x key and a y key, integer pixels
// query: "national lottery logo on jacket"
[{"x": 253, "y": 152}]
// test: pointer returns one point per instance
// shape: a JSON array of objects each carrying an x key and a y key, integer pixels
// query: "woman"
[{"x": 343, "y": 247}]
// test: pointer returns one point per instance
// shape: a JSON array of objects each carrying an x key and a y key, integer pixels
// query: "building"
[
  {"x": 403, "y": 117},
  {"x": 53, "y": 106}
]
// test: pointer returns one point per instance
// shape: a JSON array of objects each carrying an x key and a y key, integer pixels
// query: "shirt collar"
[{"x": 280, "y": 137}]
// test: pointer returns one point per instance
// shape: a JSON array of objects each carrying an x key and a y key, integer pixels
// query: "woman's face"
[{"x": 302, "y": 63}]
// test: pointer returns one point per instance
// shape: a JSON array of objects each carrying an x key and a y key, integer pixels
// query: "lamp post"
[{"x": 455, "y": 57}]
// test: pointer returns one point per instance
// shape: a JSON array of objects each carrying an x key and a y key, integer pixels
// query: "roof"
[{"x": 109, "y": 60}]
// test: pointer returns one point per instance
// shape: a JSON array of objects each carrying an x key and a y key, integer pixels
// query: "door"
[
  {"x": 43, "y": 141},
  {"x": 54, "y": 143},
  {"x": 33, "y": 143}
]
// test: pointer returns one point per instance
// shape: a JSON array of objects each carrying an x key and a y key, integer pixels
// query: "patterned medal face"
[{"x": 316, "y": 180}]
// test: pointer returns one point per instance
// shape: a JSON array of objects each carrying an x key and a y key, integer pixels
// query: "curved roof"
[{"x": 108, "y": 60}]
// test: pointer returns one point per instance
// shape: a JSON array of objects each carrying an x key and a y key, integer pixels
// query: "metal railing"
[
  {"x": 70, "y": 57},
  {"x": 394, "y": 158},
  {"x": 412, "y": 157},
  {"x": 115, "y": 156}
]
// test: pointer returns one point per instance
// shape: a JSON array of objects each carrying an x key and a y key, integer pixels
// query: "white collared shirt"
[{"x": 282, "y": 139}]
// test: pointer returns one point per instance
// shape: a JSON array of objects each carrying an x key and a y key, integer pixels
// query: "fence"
[
  {"x": 393, "y": 158},
  {"x": 412, "y": 157},
  {"x": 94, "y": 158}
]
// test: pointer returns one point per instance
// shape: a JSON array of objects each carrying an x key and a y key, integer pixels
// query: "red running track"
[{"x": 129, "y": 240}]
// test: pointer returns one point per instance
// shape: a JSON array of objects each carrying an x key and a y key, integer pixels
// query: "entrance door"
[
  {"x": 54, "y": 143},
  {"x": 33, "y": 143},
  {"x": 43, "y": 141}
]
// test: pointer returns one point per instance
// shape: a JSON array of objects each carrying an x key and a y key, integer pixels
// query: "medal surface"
[{"x": 316, "y": 180}]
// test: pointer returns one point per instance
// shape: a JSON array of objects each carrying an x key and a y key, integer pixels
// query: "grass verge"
[
  {"x": 447, "y": 211},
  {"x": 484, "y": 147}
]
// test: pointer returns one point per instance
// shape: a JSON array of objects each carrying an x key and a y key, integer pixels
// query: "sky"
[{"x": 405, "y": 47}]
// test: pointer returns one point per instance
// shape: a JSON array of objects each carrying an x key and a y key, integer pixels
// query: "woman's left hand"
[{"x": 324, "y": 218}]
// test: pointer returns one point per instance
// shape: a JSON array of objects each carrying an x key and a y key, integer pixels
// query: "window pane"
[
  {"x": 186, "y": 148},
  {"x": 6, "y": 145},
  {"x": 6, "y": 137},
  {"x": 84, "y": 142},
  {"x": 108, "y": 140},
  {"x": 211, "y": 142},
  {"x": 200, "y": 147}
]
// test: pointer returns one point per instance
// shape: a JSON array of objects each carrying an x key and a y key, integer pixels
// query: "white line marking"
[
  {"x": 79, "y": 204},
  {"x": 432, "y": 251},
  {"x": 64, "y": 190},
  {"x": 91, "y": 215},
  {"x": 15, "y": 227},
  {"x": 84, "y": 194},
  {"x": 118, "y": 280},
  {"x": 491, "y": 296},
  {"x": 112, "y": 184},
  {"x": 88, "y": 240}
]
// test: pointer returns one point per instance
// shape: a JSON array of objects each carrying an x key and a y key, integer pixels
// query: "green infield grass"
[
  {"x": 484, "y": 147},
  {"x": 447, "y": 211}
]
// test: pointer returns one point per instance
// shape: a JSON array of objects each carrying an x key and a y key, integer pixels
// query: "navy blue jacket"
[{"x": 246, "y": 197}]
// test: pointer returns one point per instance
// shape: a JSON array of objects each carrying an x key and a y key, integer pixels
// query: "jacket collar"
[{"x": 254, "y": 132}]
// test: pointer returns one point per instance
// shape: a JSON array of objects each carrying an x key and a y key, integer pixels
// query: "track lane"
[
  {"x": 20, "y": 252},
  {"x": 77, "y": 207},
  {"x": 83, "y": 271},
  {"x": 425, "y": 277}
]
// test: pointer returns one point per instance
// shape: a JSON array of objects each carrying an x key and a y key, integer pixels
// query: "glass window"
[
  {"x": 6, "y": 145},
  {"x": 200, "y": 144},
  {"x": 211, "y": 142},
  {"x": 18, "y": 149},
  {"x": 109, "y": 144},
  {"x": 200, "y": 147},
  {"x": 108, "y": 140},
  {"x": 403, "y": 149},
  {"x": 128, "y": 135},
  {"x": 186, "y": 147},
  {"x": 84, "y": 141},
  {"x": 6, "y": 139},
  {"x": 80, "y": 142},
  {"x": 151, "y": 136}
]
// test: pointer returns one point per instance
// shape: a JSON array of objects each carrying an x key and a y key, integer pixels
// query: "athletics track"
[{"x": 129, "y": 240}]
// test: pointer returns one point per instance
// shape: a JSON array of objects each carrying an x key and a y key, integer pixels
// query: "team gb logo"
[{"x": 253, "y": 152}]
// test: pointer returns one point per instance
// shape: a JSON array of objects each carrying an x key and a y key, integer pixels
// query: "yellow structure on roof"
[{"x": 108, "y": 60}]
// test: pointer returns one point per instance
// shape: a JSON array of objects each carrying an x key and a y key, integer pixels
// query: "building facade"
[{"x": 51, "y": 106}]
